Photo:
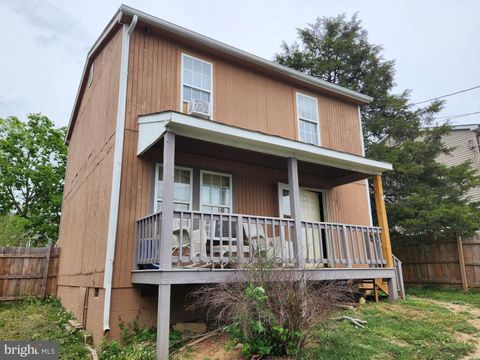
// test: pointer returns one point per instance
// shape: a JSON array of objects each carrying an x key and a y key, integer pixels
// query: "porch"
[
  {"x": 226, "y": 241},
  {"x": 197, "y": 242}
]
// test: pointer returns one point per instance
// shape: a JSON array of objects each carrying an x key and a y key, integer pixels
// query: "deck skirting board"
[{"x": 205, "y": 276}]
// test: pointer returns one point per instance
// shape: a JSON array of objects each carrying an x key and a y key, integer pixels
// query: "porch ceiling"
[{"x": 152, "y": 127}]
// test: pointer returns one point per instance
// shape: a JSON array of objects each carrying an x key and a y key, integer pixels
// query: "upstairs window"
[
  {"x": 196, "y": 80},
  {"x": 307, "y": 114},
  {"x": 182, "y": 188}
]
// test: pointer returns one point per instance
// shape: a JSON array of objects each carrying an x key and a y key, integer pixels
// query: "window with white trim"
[
  {"x": 307, "y": 113},
  {"x": 196, "y": 79},
  {"x": 215, "y": 192},
  {"x": 182, "y": 188}
]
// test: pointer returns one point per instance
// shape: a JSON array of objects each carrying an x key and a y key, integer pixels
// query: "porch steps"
[{"x": 369, "y": 286}]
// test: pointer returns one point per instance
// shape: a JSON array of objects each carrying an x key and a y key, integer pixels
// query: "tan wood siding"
[
  {"x": 348, "y": 204},
  {"x": 241, "y": 98},
  {"x": 83, "y": 227}
]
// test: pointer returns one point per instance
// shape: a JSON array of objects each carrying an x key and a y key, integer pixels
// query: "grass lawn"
[
  {"x": 411, "y": 329},
  {"x": 419, "y": 327},
  {"x": 34, "y": 319},
  {"x": 448, "y": 295}
]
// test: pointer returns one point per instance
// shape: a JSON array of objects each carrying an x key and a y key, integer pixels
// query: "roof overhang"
[
  {"x": 124, "y": 15},
  {"x": 469, "y": 127},
  {"x": 152, "y": 127}
]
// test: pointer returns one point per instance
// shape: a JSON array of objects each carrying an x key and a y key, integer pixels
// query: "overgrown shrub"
[
  {"x": 137, "y": 342},
  {"x": 272, "y": 311},
  {"x": 133, "y": 333}
]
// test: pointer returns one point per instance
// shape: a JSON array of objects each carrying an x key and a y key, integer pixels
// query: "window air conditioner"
[{"x": 197, "y": 107}]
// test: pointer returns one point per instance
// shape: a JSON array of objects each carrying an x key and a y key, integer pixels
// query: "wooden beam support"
[
  {"x": 206, "y": 276},
  {"x": 166, "y": 231},
  {"x": 382, "y": 219},
  {"x": 163, "y": 322},
  {"x": 392, "y": 289},
  {"x": 295, "y": 211},
  {"x": 461, "y": 259}
]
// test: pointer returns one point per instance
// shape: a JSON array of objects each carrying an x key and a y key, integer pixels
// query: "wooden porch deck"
[
  {"x": 228, "y": 241},
  {"x": 212, "y": 248}
]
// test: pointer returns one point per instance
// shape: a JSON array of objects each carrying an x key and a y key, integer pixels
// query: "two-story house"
[{"x": 187, "y": 157}]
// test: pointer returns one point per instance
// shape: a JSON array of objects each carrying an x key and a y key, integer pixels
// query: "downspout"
[{"x": 117, "y": 171}]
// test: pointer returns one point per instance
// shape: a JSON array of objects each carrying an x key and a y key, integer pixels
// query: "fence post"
[
  {"x": 46, "y": 268},
  {"x": 461, "y": 259}
]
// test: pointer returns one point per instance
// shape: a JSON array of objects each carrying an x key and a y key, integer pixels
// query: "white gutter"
[{"x": 117, "y": 171}]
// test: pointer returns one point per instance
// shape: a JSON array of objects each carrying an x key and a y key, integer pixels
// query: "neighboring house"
[
  {"x": 465, "y": 143},
  {"x": 187, "y": 157},
  {"x": 454, "y": 261}
]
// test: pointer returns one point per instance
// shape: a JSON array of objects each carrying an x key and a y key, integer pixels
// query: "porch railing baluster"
[{"x": 325, "y": 243}]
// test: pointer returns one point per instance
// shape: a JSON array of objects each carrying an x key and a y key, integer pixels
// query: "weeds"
[{"x": 272, "y": 311}]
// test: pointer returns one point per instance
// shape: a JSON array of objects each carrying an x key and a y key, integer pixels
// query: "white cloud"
[{"x": 44, "y": 43}]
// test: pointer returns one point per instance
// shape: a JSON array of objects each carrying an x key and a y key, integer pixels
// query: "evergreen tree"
[{"x": 424, "y": 198}]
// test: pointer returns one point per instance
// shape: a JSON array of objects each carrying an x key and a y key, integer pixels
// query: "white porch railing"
[{"x": 200, "y": 238}]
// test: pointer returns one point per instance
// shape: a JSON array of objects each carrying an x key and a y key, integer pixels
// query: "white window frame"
[
  {"x": 317, "y": 122},
  {"x": 215, "y": 205},
  {"x": 183, "y": 56},
  {"x": 324, "y": 204},
  {"x": 155, "y": 199}
]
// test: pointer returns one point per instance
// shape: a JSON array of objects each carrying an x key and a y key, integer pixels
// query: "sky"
[{"x": 43, "y": 44}]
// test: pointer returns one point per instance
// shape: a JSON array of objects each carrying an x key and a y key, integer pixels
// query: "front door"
[
  {"x": 311, "y": 203},
  {"x": 312, "y": 210}
]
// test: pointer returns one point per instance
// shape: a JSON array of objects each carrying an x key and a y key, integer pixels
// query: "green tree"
[
  {"x": 13, "y": 230},
  {"x": 424, "y": 199},
  {"x": 32, "y": 169}
]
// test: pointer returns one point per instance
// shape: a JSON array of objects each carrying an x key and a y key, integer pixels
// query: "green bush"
[
  {"x": 258, "y": 329},
  {"x": 271, "y": 311},
  {"x": 133, "y": 333},
  {"x": 13, "y": 230},
  {"x": 137, "y": 342}
]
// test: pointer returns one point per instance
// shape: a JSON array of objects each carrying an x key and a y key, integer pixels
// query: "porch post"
[
  {"x": 163, "y": 312},
  {"x": 163, "y": 321},
  {"x": 167, "y": 202},
  {"x": 392, "y": 289},
  {"x": 294, "y": 191},
  {"x": 382, "y": 219}
]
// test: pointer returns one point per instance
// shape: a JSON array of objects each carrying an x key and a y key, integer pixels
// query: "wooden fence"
[
  {"x": 28, "y": 272},
  {"x": 455, "y": 262}
]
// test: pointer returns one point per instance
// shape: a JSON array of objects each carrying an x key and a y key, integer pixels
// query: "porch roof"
[{"x": 152, "y": 127}]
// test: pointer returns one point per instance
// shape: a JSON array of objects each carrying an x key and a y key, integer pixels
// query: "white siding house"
[{"x": 465, "y": 140}]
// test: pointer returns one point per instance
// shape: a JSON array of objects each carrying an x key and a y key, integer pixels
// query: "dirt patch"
[
  {"x": 213, "y": 348},
  {"x": 396, "y": 308},
  {"x": 473, "y": 320}
]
